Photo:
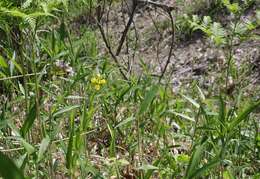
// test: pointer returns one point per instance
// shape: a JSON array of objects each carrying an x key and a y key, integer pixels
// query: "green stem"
[{"x": 230, "y": 48}]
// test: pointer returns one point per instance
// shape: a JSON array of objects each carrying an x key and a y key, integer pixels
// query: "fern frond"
[
  {"x": 12, "y": 12},
  {"x": 218, "y": 33},
  {"x": 31, "y": 21},
  {"x": 26, "y": 4}
]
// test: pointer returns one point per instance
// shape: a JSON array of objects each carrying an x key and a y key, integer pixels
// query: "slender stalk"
[
  {"x": 171, "y": 47},
  {"x": 139, "y": 140},
  {"x": 230, "y": 49},
  {"x": 195, "y": 126},
  {"x": 36, "y": 85}
]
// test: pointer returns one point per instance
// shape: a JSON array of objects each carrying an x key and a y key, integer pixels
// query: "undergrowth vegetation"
[{"x": 70, "y": 108}]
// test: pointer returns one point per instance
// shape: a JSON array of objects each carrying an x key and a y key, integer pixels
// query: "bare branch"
[
  {"x": 121, "y": 42},
  {"x": 171, "y": 48},
  {"x": 99, "y": 16}
]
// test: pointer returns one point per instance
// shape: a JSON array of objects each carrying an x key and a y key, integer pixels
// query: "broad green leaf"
[
  {"x": 8, "y": 170},
  {"x": 20, "y": 162},
  {"x": 43, "y": 147},
  {"x": 2, "y": 62},
  {"x": 148, "y": 99},
  {"x": 28, "y": 147}
]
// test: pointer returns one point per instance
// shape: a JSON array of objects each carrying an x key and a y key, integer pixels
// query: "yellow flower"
[
  {"x": 102, "y": 82},
  {"x": 94, "y": 80},
  {"x": 97, "y": 87},
  {"x": 97, "y": 81}
]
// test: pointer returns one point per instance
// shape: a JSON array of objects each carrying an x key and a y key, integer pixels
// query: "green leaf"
[
  {"x": 256, "y": 176},
  {"x": 258, "y": 17},
  {"x": 29, "y": 121},
  {"x": 243, "y": 115},
  {"x": 202, "y": 96},
  {"x": 21, "y": 161},
  {"x": 8, "y": 170},
  {"x": 228, "y": 175},
  {"x": 197, "y": 173},
  {"x": 63, "y": 31},
  {"x": 69, "y": 156},
  {"x": 195, "y": 160},
  {"x": 148, "y": 167},
  {"x": 13, "y": 63},
  {"x": 192, "y": 101},
  {"x": 66, "y": 109},
  {"x": 148, "y": 99},
  {"x": 234, "y": 8},
  {"x": 218, "y": 33},
  {"x": 43, "y": 147},
  {"x": 150, "y": 172},
  {"x": 207, "y": 20},
  {"x": 123, "y": 162},
  {"x": 222, "y": 110},
  {"x": 27, "y": 4},
  {"x": 112, "y": 147},
  {"x": 184, "y": 116},
  {"x": 183, "y": 158},
  {"x": 28, "y": 147},
  {"x": 13, "y": 12},
  {"x": 124, "y": 122},
  {"x": 2, "y": 62}
]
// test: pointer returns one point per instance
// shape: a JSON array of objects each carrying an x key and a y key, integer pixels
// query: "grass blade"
[
  {"x": 184, "y": 116},
  {"x": 29, "y": 121},
  {"x": 243, "y": 115},
  {"x": 8, "y": 169},
  {"x": 195, "y": 160},
  {"x": 43, "y": 147},
  {"x": 148, "y": 99},
  {"x": 69, "y": 154},
  {"x": 192, "y": 101},
  {"x": 126, "y": 121},
  {"x": 197, "y": 173},
  {"x": 66, "y": 109}
]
